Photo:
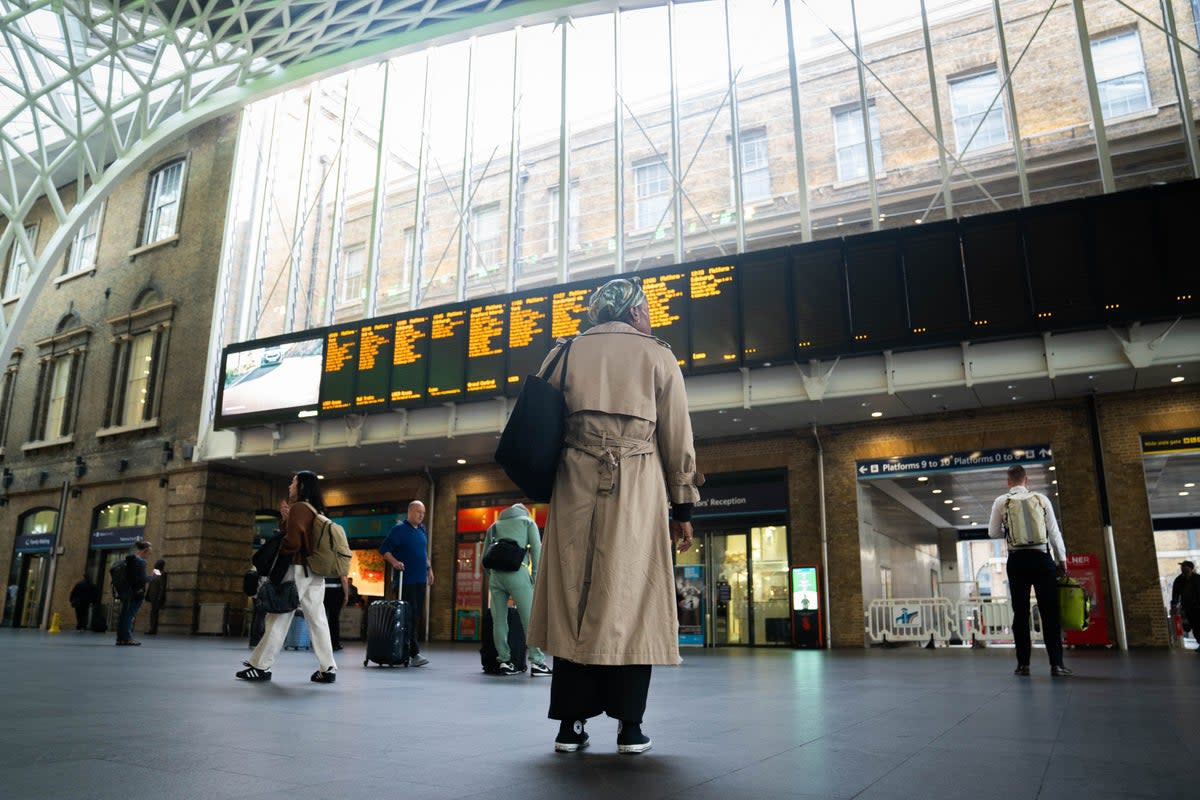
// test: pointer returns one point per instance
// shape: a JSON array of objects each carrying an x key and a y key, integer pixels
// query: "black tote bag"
[{"x": 532, "y": 441}]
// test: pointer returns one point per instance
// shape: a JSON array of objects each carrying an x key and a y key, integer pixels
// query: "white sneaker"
[
  {"x": 507, "y": 668},
  {"x": 536, "y": 669},
  {"x": 418, "y": 661}
]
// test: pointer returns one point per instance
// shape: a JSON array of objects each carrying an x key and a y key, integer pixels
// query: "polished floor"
[{"x": 80, "y": 719}]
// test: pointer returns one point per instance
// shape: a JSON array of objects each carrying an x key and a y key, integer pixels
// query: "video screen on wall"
[{"x": 271, "y": 381}]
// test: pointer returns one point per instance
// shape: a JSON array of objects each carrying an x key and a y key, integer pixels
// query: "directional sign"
[
  {"x": 1171, "y": 442},
  {"x": 952, "y": 462}
]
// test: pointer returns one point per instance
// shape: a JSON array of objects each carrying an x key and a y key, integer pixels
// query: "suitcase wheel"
[{"x": 365, "y": 662}]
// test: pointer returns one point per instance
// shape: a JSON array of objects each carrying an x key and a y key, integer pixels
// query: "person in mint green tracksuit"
[{"x": 515, "y": 524}]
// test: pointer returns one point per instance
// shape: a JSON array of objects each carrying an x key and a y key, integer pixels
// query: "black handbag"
[
  {"x": 277, "y": 598},
  {"x": 531, "y": 443},
  {"x": 504, "y": 555},
  {"x": 267, "y": 561}
]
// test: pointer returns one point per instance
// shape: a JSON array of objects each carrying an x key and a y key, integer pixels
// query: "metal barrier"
[{"x": 915, "y": 619}]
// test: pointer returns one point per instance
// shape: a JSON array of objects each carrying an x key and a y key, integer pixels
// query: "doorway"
[
  {"x": 27, "y": 590},
  {"x": 732, "y": 588}
]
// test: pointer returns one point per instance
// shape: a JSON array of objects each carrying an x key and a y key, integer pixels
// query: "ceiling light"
[
  {"x": 935, "y": 395},
  {"x": 1011, "y": 386},
  {"x": 320, "y": 477},
  {"x": 937, "y": 491},
  {"x": 1016, "y": 397},
  {"x": 1188, "y": 485},
  {"x": 876, "y": 414},
  {"x": 737, "y": 419},
  {"x": 923, "y": 478},
  {"x": 1177, "y": 379},
  {"x": 462, "y": 461},
  {"x": 1051, "y": 468},
  {"x": 753, "y": 428},
  {"x": 947, "y": 502},
  {"x": 974, "y": 523},
  {"x": 966, "y": 516},
  {"x": 720, "y": 411},
  {"x": 956, "y": 508},
  {"x": 1054, "y": 482},
  {"x": 1184, "y": 494}
]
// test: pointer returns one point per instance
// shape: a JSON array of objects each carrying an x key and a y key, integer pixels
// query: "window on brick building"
[
  {"x": 352, "y": 275},
  {"x": 848, "y": 142},
  {"x": 756, "y": 169},
  {"x": 572, "y": 218},
  {"x": 977, "y": 103},
  {"x": 1196, "y": 18},
  {"x": 60, "y": 363},
  {"x": 486, "y": 247},
  {"x": 8, "y": 384},
  {"x": 82, "y": 256},
  {"x": 17, "y": 268},
  {"x": 162, "y": 203},
  {"x": 1120, "y": 74},
  {"x": 652, "y": 180},
  {"x": 139, "y": 342}
]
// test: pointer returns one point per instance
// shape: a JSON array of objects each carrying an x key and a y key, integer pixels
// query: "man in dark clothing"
[
  {"x": 83, "y": 595},
  {"x": 133, "y": 592},
  {"x": 1185, "y": 597},
  {"x": 406, "y": 548},
  {"x": 156, "y": 595}
]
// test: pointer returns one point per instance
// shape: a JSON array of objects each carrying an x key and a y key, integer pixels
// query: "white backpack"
[{"x": 1025, "y": 520}]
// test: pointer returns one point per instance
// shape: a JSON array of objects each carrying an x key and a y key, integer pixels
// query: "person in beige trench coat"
[{"x": 604, "y": 602}]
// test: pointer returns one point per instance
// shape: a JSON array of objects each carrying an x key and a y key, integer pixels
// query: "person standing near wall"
[
  {"x": 604, "y": 602},
  {"x": 406, "y": 548},
  {"x": 83, "y": 595},
  {"x": 132, "y": 592},
  {"x": 1036, "y": 557},
  {"x": 156, "y": 595}
]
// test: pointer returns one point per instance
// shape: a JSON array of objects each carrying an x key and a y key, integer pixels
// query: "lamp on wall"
[
  {"x": 43, "y": 476},
  {"x": 80, "y": 467},
  {"x": 168, "y": 452},
  {"x": 7, "y": 480},
  {"x": 123, "y": 465}
]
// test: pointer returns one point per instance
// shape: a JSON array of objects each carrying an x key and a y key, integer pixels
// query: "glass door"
[
  {"x": 32, "y": 591},
  {"x": 769, "y": 589}
]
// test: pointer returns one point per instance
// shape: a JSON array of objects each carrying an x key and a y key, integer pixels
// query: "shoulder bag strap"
[{"x": 549, "y": 370}]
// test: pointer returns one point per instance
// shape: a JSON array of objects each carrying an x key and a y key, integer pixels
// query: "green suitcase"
[{"x": 1075, "y": 607}]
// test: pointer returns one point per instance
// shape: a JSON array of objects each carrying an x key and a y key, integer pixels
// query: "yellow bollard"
[{"x": 55, "y": 622}]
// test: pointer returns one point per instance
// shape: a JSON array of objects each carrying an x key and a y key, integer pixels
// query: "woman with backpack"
[{"x": 299, "y": 513}]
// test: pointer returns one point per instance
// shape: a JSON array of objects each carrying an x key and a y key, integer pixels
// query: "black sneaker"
[
  {"x": 507, "y": 668},
  {"x": 536, "y": 669},
  {"x": 630, "y": 739},
  {"x": 324, "y": 676},
  {"x": 252, "y": 673},
  {"x": 1060, "y": 672},
  {"x": 1022, "y": 670},
  {"x": 571, "y": 737}
]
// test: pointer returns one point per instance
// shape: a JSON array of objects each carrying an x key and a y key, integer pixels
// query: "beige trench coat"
[{"x": 605, "y": 593}]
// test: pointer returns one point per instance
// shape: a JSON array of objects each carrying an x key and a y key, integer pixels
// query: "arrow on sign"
[
  {"x": 862, "y": 470},
  {"x": 1043, "y": 452}
]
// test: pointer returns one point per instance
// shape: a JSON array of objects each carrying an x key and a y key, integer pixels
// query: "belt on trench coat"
[{"x": 609, "y": 451}]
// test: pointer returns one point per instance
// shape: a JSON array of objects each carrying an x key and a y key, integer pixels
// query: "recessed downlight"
[
  {"x": 1188, "y": 485},
  {"x": 320, "y": 477},
  {"x": 937, "y": 491},
  {"x": 876, "y": 414},
  {"x": 1184, "y": 494},
  {"x": 956, "y": 508},
  {"x": 966, "y": 516},
  {"x": 923, "y": 478},
  {"x": 461, "y": 461},
  {"x": 1051, "y": 468},
  {"x": 1177, "y": 379},
  {"x": 947, "y": 502}
]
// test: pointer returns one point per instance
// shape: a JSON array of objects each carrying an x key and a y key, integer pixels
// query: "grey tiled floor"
[{"x": 82, "y": 719}]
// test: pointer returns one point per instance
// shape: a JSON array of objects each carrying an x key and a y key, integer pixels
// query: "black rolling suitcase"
[
  {"x": 388, "y": 624},
  {"x": 516, "y": 642}
]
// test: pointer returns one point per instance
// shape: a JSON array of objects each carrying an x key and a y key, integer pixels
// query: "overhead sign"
[
  {"x": 952, "y": 462},
  {"x": 116, "y": 538},
  {"x": 1171, "y": 442},
  {"x": 34, "y": 543},
  {"x": 742, "y": 499}
]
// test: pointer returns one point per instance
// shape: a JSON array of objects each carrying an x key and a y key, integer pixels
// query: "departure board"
[
  {"x": 666, "y": 294},
  {"x": 374, "y": 366},
  {"x": 485, "y": 348},
  {"x": 339, "y": 370},
  {"x": 819, "y": 297},
  {"x": 528, "y": 337},
  {"x": 766, "y": 310},
  {"x": 714, "y": 316},
  {"x": 447, "y": 353},
  {"x": 568, "y": 309},
  {"x": 410, "y": 356}
]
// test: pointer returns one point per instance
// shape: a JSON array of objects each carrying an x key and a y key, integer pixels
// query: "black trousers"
[
  {"x": 583, "y": 691},
  {"x": 152, "y": 629},
  {"x": 81, "y": 617},
  {"x": 414, "y": 595},
  {"x": 1035, "y": 568},
  {"x": 334, "y": 599}
]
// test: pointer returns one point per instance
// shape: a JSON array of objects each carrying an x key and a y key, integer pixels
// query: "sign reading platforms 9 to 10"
[{"x": 472, "y": 350}]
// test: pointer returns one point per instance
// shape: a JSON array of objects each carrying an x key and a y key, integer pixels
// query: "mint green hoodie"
[{"x": 515, "y": 524}]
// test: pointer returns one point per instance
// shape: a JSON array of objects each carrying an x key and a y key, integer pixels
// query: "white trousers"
[{"x": 312, "y": 602}]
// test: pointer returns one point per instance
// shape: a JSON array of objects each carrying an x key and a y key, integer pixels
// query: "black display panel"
[
  {"x": 270, "y": 380},
  {"x": 766, "y": 310},
  {"x": 528, "y": 337},
  {"x": 994, "y": 264},
  {"x": 819, "y": 301},
  {"x": 667, "y": 296},
  {"x": 1056, "y": 244},
  {"x": 410, "y": 359},
  {"x": 371, "y": 391},
  {"x": 1175, "y": 208},
  {"x": 715, "y": 318},
  {"x": 1127, "y": 275},
  {"x": 878, "y": 307},
  {"x": 937, "y": 302},
  {"x": 447, "y": 353},
  {"x": 339, "y": 370},
  {"x": 486, "y": 341}
]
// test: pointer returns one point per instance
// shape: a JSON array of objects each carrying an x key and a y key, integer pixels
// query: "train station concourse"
[{"x": 895, "y": 246}]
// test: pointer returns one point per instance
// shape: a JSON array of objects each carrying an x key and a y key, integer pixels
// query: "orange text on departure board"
[
  {"x": 446, "y": 323},
  {"x": 711, "y": 281},
  {"x": 567, "y": 309},
  {"x": 339, "y": 349},
  {"x": 487, "y": 326},
  {"x": 525, "y": 321},
  {"x": 408, "y": 333},
  {"x": 371, "y": 339},
  {"x": 661, "y": 292}
]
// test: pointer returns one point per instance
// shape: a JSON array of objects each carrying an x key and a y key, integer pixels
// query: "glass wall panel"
[
  {"x": 491, "y": 149},
  {"x": 326, "y": 152},
  {"x": 592, "y": 215},
  {"x": 646, "y": 107},
  {"x": 277, "y": 220},
  {"x": 770, "y": 191},
  {"x": 1136, "y": 84},
  {"x": 405, "y": 109},
  {"x": 1050, "y": 93},
  {"x": 539, "y": 107},
  {"x": 706, "y": 142},
  {"x": 444, "y": 151}
]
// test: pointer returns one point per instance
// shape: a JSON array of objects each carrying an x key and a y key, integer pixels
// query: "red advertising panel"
[
  {"x": 1085, "y": 568},
  {"x": 478, "y": 520},
  {"x": 468, "y": 591}
]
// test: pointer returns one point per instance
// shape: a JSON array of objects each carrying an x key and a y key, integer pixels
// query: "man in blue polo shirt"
[{"x": 406, "y": 548}]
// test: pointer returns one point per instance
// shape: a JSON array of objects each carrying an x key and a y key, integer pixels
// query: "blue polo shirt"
[{"x": 411, "y": 546}]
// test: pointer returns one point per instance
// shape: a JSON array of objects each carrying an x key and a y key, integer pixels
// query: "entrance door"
[{"x": 31, "y": 589}]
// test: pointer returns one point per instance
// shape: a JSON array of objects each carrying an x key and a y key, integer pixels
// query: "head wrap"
[{"x": 612, "y": 301}]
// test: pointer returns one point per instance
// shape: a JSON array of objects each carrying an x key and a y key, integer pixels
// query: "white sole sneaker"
[
  {"x": 569, "y": 747},
  {"x": 633, "y": 749}
]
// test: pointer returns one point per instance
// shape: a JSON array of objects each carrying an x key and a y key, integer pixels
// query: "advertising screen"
[{"x": 271, "y": 381}]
